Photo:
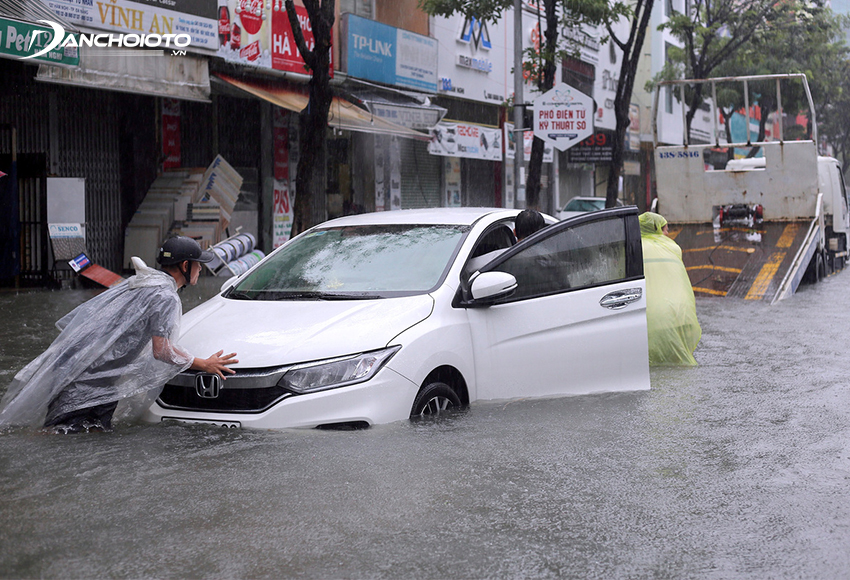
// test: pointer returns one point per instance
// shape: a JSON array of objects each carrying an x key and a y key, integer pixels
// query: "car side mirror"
[
  {"x": 228, "y": 283},
  {"x": 489, "y": 286}
]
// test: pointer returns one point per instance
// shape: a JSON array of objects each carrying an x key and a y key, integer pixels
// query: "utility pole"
[{"x": 519, "y": 100}]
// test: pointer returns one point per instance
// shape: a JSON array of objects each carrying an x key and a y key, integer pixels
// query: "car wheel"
[{"x": 434, "y": 399}]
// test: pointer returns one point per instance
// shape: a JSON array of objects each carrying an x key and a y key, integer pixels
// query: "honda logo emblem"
[{"x": 208, "y": 386}]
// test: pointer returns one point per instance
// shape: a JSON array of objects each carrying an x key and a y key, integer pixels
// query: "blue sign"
[{"x": 382, "y": 53}]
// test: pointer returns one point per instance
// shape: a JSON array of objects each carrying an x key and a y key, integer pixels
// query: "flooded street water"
[{"x": 739, "y": 468}]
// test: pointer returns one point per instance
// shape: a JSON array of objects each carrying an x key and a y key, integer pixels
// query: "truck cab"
[{"x": 836, "y": 209}]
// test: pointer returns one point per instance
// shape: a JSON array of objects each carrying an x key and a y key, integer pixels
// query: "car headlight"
[{"x": 336, "y": 372}]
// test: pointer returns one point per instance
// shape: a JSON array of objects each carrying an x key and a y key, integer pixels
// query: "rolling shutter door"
[{"x": 420, "y": 176}]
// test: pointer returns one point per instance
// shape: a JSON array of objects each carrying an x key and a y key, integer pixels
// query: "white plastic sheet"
[{"x": 105, "y": 352}]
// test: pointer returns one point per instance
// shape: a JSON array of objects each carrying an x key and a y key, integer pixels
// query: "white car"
[
  {"x": 375, "y": 318},
  {"x": 579, "y": 205}
]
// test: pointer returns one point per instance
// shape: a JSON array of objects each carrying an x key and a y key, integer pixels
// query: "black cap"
[{"x": 181, "y": 248}]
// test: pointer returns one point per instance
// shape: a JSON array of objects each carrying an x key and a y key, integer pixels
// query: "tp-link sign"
[{"x": 563, "y": 116}]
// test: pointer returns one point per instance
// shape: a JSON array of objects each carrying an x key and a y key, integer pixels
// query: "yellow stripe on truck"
[{"x": 765, "y": 276}]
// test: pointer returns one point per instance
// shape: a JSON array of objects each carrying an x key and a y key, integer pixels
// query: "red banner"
[
  {"x": 285, "y": 54},
  {"x": 171, "y": 133}
]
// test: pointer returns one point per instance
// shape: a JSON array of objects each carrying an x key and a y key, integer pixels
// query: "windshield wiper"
[
  {"x": 314, "y": 296},
  {"x": 352, "y": 296},
  {"x": 239, "y": 295},
  {"x": 271, "y": 295}
]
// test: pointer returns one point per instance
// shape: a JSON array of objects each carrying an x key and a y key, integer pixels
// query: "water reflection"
[{"x": 738, "y": 468}]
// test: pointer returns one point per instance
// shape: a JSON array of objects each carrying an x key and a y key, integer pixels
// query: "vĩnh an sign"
[
  {"x": 24, "y": 41},
  {"x": 563, "y": 116},
  {"x": 192, "y": 19}
]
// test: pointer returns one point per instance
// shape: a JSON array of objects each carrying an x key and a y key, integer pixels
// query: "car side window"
[
  {"x": 491, "y": 244},
  {"x": 585, "y": 255}
]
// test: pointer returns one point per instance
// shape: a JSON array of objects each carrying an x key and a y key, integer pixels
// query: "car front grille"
[{"x": 247, "y": 391}]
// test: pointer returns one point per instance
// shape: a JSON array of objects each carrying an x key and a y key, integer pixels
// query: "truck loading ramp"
[{"x": 765, "y": 262}]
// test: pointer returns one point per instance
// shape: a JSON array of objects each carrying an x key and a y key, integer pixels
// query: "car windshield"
[
  {"x": 369, "y": 261},
  {"x": 577, "y": 204}
]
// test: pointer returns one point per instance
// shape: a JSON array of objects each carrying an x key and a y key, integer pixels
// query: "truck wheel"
[{"x": 815, "y": 270}]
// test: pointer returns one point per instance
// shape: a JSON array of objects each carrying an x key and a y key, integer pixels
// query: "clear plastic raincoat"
[
  {"x": 671, "y": 316},
  {"x": 104, "y": 353}
]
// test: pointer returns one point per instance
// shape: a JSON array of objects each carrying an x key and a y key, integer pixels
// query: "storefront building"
[
  {"x": 392, "y": 72},
  {"x": 86, "y": 130},
  {"x": 474, "y": 73}
]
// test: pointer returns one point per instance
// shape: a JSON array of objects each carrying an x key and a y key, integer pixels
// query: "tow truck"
[{"x": 756, "y": 227}]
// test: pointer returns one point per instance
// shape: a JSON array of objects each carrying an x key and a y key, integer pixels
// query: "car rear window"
[{"x": 585, "y": 205}]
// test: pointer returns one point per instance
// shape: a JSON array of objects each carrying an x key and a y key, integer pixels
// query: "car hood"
[{"x": 266, "y": 333}]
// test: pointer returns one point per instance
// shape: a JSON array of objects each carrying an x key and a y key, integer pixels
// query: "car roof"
[{"x": 433, "y": 216}]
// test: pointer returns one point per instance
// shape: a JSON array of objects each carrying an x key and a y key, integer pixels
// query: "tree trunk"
[
  {"x": 545, "y": 82},
  {"x": 628, "y": 70},
  {"x": 535, "y": 168},
  {"x": 311, "y": 178}
]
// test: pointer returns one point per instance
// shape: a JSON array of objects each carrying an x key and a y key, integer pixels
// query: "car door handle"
[{"x": 620, "y": 298}]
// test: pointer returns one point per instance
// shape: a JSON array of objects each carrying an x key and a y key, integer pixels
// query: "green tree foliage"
[
  {"x": 834, "y": 118},
  {"x": 749, "y": 37},
  {"x": 796, "y": 37},
  {"x": 310, "y": 201},
  {"x": 572, "y": 14}
]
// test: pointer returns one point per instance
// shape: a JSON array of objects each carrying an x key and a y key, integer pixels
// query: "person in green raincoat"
[{"x": 671, "y": 316}]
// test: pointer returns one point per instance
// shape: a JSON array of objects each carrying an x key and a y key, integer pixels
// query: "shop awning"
[
  {"x": 343, "y": 114},
  {"x": 146, "y": 72},
  {"x": 399, "y": 108}
]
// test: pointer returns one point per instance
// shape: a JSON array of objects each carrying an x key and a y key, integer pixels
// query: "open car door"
[{"x": 576, "y": 322}]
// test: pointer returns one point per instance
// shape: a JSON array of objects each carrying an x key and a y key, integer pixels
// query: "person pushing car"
[{"x": 118, "y": 345}]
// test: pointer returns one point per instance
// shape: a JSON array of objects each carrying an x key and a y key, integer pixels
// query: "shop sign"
[
  {"x": 285, "y": 54},
  {"x": 462, "y": 140},
  {"x": 410, "y": 117},
  {"x": 195, "y": 18},
  {"x": 382, "y": 53},
  {"x": 474, "y": 33},
  {"x": 580, "y": 37},
  {"x": 251, "y": 32},
  {"x": 563, "y": 116},
  {"x": 22, "y": 40},
  {"x": 598, "y": 148},
  {"x": 473, "y": 57}
]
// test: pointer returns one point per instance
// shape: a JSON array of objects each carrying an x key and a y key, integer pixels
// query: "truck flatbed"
[{"x": 744, "y": 262}]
